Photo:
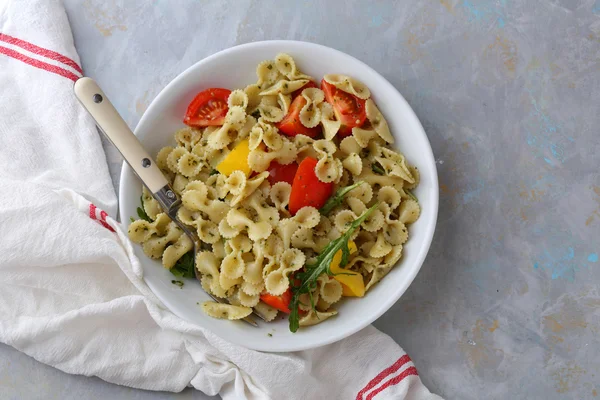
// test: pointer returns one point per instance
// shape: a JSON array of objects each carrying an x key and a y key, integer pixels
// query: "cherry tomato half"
[
  {"x": 282, "y": 303},
  {"x": 307, "y": 189},
  {"x": 282, "y": 173},
  {"x": 348, "y": 109},
  {"x": 291, "y": 125},
  {"x": 208, "y": 108}
]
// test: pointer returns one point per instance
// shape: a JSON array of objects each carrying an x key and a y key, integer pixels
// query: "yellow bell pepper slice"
[
  {"x": 236, "y": 160},
  {"x": 352, "y": 282}
]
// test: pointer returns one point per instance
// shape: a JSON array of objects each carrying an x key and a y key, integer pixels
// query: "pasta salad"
[{"x": 294, "y": 189}]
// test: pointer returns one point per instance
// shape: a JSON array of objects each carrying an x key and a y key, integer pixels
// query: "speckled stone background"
[{"x": 507, "y": 304}]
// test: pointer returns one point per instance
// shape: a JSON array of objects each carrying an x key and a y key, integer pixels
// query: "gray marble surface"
[{"x": 507, "y": 304}]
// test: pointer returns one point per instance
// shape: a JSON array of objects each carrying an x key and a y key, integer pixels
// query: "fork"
[{"x": 116, "y": 130}]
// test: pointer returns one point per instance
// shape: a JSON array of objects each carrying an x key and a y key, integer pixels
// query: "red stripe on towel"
[
  {"x": 394, "y": 381},
  {"x": 38, "y": 64},
  {"x": 41, "y": 51},
  {"x": 103, "y": 215},
  {"x": 383, "y": 374}
]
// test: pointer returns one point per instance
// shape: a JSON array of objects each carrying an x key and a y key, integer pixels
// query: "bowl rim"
[{"x": 386, "y": 303}]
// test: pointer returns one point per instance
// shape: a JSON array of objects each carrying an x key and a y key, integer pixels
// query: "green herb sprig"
[
  {"x": 338, "y": 197},
  {"x": 377, "y": 168},
  {"x": 184, "y": 267},
  {"x": 411, "y": 195},
  {"x": 141, "y": 212},
  {"x": 306, "y": 281}
]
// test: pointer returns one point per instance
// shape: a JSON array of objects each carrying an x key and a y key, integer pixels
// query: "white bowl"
[{"x": 235, "y": 68}]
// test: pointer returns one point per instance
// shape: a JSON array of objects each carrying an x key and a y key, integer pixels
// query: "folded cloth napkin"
[{"x": 72, "y": 290}]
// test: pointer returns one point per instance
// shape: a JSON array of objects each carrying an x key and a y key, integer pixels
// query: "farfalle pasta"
[{"x": 270, "y": 177}]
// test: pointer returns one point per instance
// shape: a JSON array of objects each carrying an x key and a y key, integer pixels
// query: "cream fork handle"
[{"x": 110, "y": 122}]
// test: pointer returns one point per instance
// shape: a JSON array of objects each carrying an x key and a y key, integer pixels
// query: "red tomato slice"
[
  {"x": 282, "y": 173},
  {"x": 310, "y": 84},
  {"x": 208, "y": 108},
  {"x": 291, "y": 125},
  {"x": 282, "y": 303},
  {"x": 348, "y": 109},
  {"x": 307, "y": 189}
]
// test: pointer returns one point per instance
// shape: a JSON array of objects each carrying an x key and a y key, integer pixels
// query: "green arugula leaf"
[
  {"x": 411, "y": 195},
  {"x": 306, "y": 281},
  {"x": 141, "y": 212},
  {"x": 337, "y": 198},
  {"x": 378, "y": 169},
  {"x": 184, "y": 267}
]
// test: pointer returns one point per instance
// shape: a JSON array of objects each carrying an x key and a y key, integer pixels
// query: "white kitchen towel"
[{"x": 72, "y": 294}]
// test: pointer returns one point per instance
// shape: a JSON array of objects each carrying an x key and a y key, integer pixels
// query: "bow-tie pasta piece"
[
  {"x": 373, "y": 178},
  {"x": 284, "y": 87},
  {"x": 329, "y": 168},
  {"x": 151, "y": 206},
  {"x": 409, "y": 211},
  {"x": 173, "y": 158},
  {"x": 239, "y": 219},
  {"x": 331, "y": 125},
  {"x": 248, "y": 300},
  {"x": 274, "y": 107},
  {"x": 378, "y": 122},
  {"x": 225, "y": 311},
  {"x": 254, "y": 97},
  {"x": 233, "y": 265},
  {"x": 382, "y": 269},
  {"x": 314, "y": 317},
  {"x": 265, "y": 311},
  {"x": 280, "y": 196},
  {"x": 414, "y": 172},
  {"x": 179, "y": 184},
  {"x": 381, "y": 247},
  {"x": 373, "y": 222},
  {"x": 259, "y": 159},
  {"x": 141, "y": 230},
  {"x": 235, "y": 183},
  {"x": 287, "y": 67},
  {"x": 330, "y": 290},
  {"x": 363, "y": 136},
  {"x": 174, "y": 252},
  {"x": 154, "y": 247},
  {"x": 390, "y": 196},
  {"x": 252, "y": 289},
  {"x": 258, "y": 204},
  {"x": 207, "y": 231},
  {"x": 189, "y": 165},
  {"x": 238, "y": 98},
  {"x": 207, "y": 265},
  {"x": 394, "y": 164},
  {"x": 348, "y": 85},
  {"x": 306, "y": 217},
  {"x": 277, "y": 282},
  {"x": 254, "y": 268},
  {"x": 200, "y": 197},
  {"x": 162, "y": 156},
  {"x": 310, "y": 114},
  {"x": 267, "y": 134},
  {"x": 304, "y": 147},
  {"x": 349, "y": 145},
  {"x": 267, "y": 74},
  {"x": 248, "y": 188},
  {"x": 353, "y": 163},
  {"x": 303, "y": 238},
  {"x": 226, "y": 134},
  {"x": 187, "y": 137},
  {"x": 244, "y": 132}
]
